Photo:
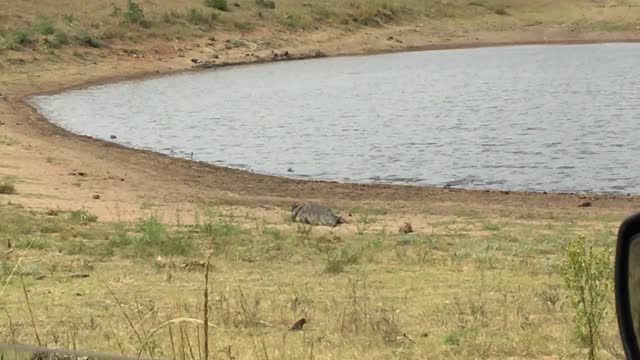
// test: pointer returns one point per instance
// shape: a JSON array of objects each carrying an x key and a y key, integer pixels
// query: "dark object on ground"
[
  {"x": 314, "y": 214},
  {"x": 78, "y": 276},
  {"x": 298, "y": 325},
  {"x": 236, "y": 4},
  {"x": 290, "y": 170},
  {"x": 113, "y": 137},
  {"x": 406, "y": 229},
  {"x": 195, "y": 61},
  {"x": 586, "y": 204},
  {"x": 96, "y": 197}
]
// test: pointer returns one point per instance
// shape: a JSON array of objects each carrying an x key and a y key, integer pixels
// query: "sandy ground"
[{"x": 56, "y": 169}]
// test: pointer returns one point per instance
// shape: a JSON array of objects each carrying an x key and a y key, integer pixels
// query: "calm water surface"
[{"x": 542, "y": 118}]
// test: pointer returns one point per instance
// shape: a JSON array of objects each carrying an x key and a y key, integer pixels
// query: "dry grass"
[
  {"x": 465, "y": 286},
  {"x": 50, "y": 25}
]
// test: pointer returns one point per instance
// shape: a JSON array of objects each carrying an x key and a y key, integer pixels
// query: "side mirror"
[{"x": 627, "y": 285}]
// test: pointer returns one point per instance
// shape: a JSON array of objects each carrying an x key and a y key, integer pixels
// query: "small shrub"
[
  {"x": 86, "y": 39},
  {"x": 267, "y": 4},
  {"x": 501, "y": 11},
  {"x": 21, "y": 38},
  {"x": 587, "y": 275},
  {"x": 7, "y": 186},
  {"x": 44, "y": 26},
  {"x": 135, "y": 15},
  {"x": 221, "y": 5}
]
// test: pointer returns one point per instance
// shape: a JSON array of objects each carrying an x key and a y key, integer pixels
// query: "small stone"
[
  {"x": 195, "y": 61},
  {"x": 586, "y": 204},
  {"x": 113, "y": 137},
  {"x": 406, "y": 229},
  {"x": 290, "y": 170},
  {"x": 96, "y": 197}
]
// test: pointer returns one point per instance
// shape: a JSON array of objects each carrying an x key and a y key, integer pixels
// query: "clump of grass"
[
  {"x": 44, "y": 26},
  {"x": 87, "y": 39},
  {"x": 267, "y": 4},
  {"x": 337, "y": 262},
  {"x": 221, "y": 5},
  {"x": 59, "y": 39},
  {"x": 82, "y": 217},
  {"x": 198, "y": 17},
  {"x": 7, "y": 186},
  {"x": 20, "y": 38},
  {"x": 150, "y": 238},
  {"x": 68, "y": 18}
]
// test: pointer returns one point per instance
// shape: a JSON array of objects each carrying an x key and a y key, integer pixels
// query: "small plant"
[
  {"x": 267, "y": 4},
  {"x": 86, "y": 39},
  {"x": 587, "y": 275},
  {"x": 221, "y": 5},
  {"x": 21, "y": 38},
  {"x": 7, "y": 186},
  {"x": 44, "y": 26},
  {"x": 83, "y": 217},
  {"x": 304, "y": 229},
  {"x": 59, "y": 39},
  {"x": 135, "y": 15},
  {"x": 68, "y": 18}
]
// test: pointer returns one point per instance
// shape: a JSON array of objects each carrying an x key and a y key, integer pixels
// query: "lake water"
[{"x": 541, "y": 118}]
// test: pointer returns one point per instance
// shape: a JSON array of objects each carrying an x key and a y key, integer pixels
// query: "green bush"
[
  {"x": 267, "y": 4},
  {"x": 7, "y": 186},
  {"x": 44, "y": 26},
  {"x": 21, "y": 38},
  {"x": 135, "y": 15},
  {"x": 587, "y": 275},
  {"x": 217, "y": 4},
  {"x": 86, "y": 39}
]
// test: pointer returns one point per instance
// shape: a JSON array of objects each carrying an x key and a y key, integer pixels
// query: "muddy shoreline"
[{"x": 180, "y": 181}]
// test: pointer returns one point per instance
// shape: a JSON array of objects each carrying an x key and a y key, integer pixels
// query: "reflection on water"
[{"x": 544, "y": 118}]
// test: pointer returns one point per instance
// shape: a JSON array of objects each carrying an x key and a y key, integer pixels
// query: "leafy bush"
[
  {"x": 587, "y": 275},
  {"x": 221, "y": 5}
]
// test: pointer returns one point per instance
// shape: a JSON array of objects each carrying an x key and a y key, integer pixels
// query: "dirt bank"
[{"x": 56, "y": 169}]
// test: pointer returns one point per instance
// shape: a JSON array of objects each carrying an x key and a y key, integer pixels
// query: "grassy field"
[
  {"x": 49, "y": 25},
  {"x": 463, "y": 286}
]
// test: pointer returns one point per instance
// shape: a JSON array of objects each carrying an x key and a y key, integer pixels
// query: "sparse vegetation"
[
  {"x": 7, "y": 186},
  {"x": 434, "y": 295},
  {"x": 135, "y": 15},
  {"x": 588, "y": 274},
  {"x": 221, "y": 5},
  {"x": 87, "y": 39},
  {"x": 267, "y": 4},
  {"x": 44, "y": 26}
]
